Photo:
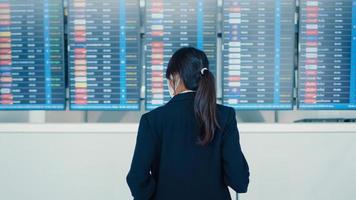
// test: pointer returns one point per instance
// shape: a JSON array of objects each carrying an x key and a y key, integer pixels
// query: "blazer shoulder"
[
  {"x": 155, "y": 112},
  {"x": 226, "y": 114},
  {"x": 226, "y": 111}
]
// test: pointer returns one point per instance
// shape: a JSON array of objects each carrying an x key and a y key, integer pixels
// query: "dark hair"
[{"x": 188, "y": 63}]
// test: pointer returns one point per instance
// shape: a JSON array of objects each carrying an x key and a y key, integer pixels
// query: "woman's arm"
[
  {"x": 139, "y": 178},
  {"x": 235, "y": 165}
]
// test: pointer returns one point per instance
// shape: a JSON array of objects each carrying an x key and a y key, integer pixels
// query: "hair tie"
[{"x": 202, "y": 70}]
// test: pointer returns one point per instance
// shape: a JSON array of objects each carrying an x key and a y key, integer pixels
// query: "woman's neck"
[
  {"x": 185, "y": 91},
  {"x": 182, "y": 89}
]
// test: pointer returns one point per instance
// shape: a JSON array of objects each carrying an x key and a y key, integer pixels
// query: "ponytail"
[
  {"x": 191, "y": 65},
  {"x": 205, "y": 107}
]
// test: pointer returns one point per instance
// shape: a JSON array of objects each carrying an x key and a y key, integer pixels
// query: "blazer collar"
[{"x": 183, "y": 96}]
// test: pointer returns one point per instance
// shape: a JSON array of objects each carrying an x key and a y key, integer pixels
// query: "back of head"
[{"x": 192, "y": 66}]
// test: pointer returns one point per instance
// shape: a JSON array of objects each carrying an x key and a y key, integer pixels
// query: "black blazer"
[{"x": 168, "y": 164}]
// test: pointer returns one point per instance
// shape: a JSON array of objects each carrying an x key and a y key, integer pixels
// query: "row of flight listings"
[{"x": 104, "y": 44}]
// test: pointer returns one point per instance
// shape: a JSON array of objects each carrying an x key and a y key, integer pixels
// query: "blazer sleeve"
[
  {"x": 236, "y": 169},
  {"x": 139, "y": 178}
]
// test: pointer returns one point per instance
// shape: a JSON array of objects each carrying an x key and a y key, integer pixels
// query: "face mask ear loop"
[
  {"x": 172, "y": 79},
  {"x": 176, "y": 85}
]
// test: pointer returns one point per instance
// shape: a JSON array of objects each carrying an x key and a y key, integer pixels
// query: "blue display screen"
[
  {"x": 258, "y": 54},
  {"x": 104, "y": 42},
  {"x": 31, "y": 55},
  {"x": 170, "y": 25},
  {"x": 327, "y": 57}
]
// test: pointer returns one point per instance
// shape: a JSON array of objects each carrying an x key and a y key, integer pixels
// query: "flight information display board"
[
  {"x": 327, "y": 58},
  {"x": 31, "y": 55},
  {"x": 170, "y": 25},
  {"x": 104, "y": 57},
  {"x": 258, "y": 53}
]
